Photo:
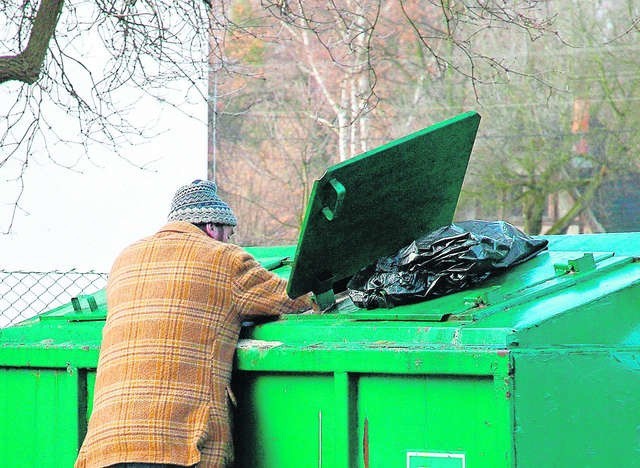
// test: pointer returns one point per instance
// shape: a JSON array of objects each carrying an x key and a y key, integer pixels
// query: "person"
[{"x": 176, "y": 301}]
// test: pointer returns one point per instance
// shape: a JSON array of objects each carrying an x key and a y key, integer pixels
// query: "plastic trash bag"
[{"x": 444, "y": 261}]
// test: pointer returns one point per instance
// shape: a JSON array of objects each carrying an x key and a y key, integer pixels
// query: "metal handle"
[
  {"x": 332, "y": 213},
  {"x": 77, "y": 306}
]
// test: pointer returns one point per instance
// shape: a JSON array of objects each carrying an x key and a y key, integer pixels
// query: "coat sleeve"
[{"x": 257, "y": 291}]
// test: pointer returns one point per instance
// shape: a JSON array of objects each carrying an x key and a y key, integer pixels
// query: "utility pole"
[
  {"x": 215, "y": 60},
  {"x": 212, "y": 114}
]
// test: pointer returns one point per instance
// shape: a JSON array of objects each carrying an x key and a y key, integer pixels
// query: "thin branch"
[{"x": 27, "y": 65}]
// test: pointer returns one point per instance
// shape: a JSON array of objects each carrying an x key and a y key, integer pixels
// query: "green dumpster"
[{"x": 538, "y": 367}]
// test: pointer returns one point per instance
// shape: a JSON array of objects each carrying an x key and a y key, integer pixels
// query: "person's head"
[{"x": 198, "y": 203}]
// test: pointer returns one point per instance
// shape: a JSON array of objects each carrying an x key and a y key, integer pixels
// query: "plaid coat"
[{"x": 176, "y": 301}]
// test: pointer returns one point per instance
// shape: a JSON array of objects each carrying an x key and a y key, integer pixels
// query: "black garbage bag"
[{"x": 444, "y": 261}]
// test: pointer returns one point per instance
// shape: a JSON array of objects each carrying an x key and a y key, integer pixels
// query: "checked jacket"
[{"x": 176, "y": 301}]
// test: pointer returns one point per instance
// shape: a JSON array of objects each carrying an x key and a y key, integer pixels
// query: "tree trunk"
[
  {"x": 532, "y": 210},
  {"x": 27, "y": 65},
  {"x": 580, "y": 204}
]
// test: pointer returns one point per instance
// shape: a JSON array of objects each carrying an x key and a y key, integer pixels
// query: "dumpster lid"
[{"x": 374, "y": 203}]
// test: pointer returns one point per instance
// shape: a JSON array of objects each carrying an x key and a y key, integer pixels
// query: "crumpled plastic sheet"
[{"x": 447, "y": 260}]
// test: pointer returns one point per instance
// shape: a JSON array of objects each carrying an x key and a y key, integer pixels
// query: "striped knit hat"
[{"x": 198, "y": 202}]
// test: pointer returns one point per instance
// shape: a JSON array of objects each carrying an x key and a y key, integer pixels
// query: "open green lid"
[{"x": 379, "y": 201}]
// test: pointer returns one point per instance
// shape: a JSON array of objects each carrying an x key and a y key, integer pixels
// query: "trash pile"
[{"x": 447, "y": 260}]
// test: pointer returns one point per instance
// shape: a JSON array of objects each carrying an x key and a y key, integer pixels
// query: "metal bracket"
[
  {"x": 77, "y": 307},
  {"x": 325, "y": 300},
  {"x": 576, "y": 265}
]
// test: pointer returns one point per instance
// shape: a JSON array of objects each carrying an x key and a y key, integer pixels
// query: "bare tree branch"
[{"x": 27, "y": 65}]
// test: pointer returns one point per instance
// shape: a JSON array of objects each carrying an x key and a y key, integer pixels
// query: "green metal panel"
[
  {"x": 577, "y": 407},
  {"x": 51, "y": 344},
  {"x": 40, "y": 420},
  {"x": 290, "y": 422},
  {"x": 623, "y": 243},
  {"x": 406, "y": 419},
  {"x": 382, "y": 357},
  {"x": 373, "y": 204},
  {"x": 277, "y": 259},
  {"x": 265, "y": 255},
  {"x": 600, "y": 307},
  {"x": 369, "y": 419},
  {"x": 85, "y": 411}
]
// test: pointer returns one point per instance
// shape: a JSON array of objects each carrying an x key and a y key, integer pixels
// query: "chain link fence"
[{"x": 24, "y": 294}]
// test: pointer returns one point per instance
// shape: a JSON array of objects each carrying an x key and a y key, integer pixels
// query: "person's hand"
[{"x": 315, "y": 308}]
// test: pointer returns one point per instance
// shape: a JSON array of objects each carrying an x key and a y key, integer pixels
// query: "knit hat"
[{"x": 198, "y": 202}]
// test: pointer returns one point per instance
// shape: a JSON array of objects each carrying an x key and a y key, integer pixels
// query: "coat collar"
[{"x": 181, "y": 226}]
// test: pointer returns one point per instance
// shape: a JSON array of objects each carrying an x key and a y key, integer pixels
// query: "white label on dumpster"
[{"x": 435, "y": 460}]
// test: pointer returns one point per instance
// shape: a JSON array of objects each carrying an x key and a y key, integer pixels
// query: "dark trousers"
[{"x": 147, "y": 465}]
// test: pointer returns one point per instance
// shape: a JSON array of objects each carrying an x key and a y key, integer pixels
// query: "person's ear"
[{"x": 210, "y": 229}]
